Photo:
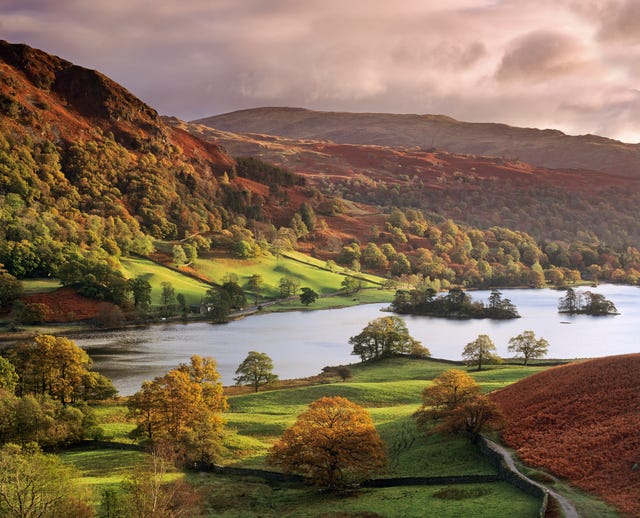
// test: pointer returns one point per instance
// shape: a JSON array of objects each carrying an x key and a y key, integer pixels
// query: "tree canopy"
[
  {"x": 383, "y": 337},
  {"x": 528, "y": 346},
  {"x": 183, "y": 408},
  {"x": 334, "y": 443},
  {"x": 587, "y": 303},
  {"x": 255, "y": 370},
  {"x": 481, "y": 350}
]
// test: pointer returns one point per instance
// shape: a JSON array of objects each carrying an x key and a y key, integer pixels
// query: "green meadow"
[{"x": 391, "y": 391}]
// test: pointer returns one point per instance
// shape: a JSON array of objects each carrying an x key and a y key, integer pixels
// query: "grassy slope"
[
  {"x": 391, "y": 391},
  {"x": 156, "y": 274}
]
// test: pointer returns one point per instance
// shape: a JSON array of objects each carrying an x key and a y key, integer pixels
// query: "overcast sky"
[{"x": 573, "y": 65}]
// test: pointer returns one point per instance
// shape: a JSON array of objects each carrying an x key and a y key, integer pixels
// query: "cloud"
[
  {"x": 513, "y": 61},
  {"x": 542, "y": 56}
]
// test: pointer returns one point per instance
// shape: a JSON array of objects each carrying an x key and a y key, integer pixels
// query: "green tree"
[
  {"x": 288, "y": 286},
  {"x": 237, "y": 298},
  {"x": 351, "y": 285},
  {"x": 218, "y": 304},
  {"x": 167, "y": 299},
  {"x": 383, "y": 337},
  {"x": 140, "y": 289},
  {"x": 33, "y": 484},
  {"x": 255, "y": 370},
  {"x": 334, "y": 443},
  {"x": 10, "y": 288},
  {"x": 308, "y": 296},
  {"x": 481, "y": 350},
  {"x": 8, "y": 375},
  {"x": 528, "y": 346},
  {"x": 255, "y": 285},
  {"x": 179, "y": 256}
]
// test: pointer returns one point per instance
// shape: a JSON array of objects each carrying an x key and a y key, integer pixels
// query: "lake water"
[{"x": 301, "y": 343}]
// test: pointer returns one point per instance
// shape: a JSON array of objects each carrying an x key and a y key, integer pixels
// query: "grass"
[
  {"x": 391, "y": 391},
  {"x": 309, "y": 272},
  {"x": 193, "y": 290},
  {"x": 40, "y": 285},
  {"x": 231, "y": 498}
]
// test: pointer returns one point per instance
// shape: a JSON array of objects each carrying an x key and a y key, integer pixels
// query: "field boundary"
[{"x": 503, "y": 461}]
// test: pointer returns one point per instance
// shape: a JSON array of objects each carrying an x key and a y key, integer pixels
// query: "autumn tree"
[
  {"x": 472, "y": 417},
  {"x": 255, "y": 370},
  {"x": 183, "y": 408},
  {"x": 383, "y": 337},
  {"x": 481, "y": 350},
  {"x": 334, "y": 443},
  {"x": 528, "y": 346},
  {"x": 446, "y": 392},
  {"x": 56, "y": 366}
]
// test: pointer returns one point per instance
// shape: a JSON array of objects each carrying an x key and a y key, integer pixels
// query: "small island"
[
  {"x": 586, "y": 303},
  {"x": 455, "y": 304}
]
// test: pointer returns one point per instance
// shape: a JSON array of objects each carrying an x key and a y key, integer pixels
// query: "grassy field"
[
  {"x": 156, "y": 274},
  {"x": 391, "y": 391},
  {"x": 308, "y": 271}
]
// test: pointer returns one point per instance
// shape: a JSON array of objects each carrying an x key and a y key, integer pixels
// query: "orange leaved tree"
[
  {"x": 446, "y": 392},
  {"x": 183, "y": 409},
  {"x": 334, "y": 443}
]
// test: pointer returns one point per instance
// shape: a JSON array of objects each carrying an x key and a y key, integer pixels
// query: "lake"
[{"x": 302, "y": 343}]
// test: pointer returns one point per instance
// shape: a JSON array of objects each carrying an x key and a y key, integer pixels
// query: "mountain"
[
  {"x": 543, "y": 148},
  {"x": 86, "y": 167},
  {"x": 549, "y": 204},
  {"x": 580, "y": 421}
]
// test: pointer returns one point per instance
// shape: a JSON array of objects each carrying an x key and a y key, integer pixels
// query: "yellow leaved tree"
[{"x": 183, "y": 409}]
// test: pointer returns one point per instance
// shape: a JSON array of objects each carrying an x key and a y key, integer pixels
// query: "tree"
[
  {"x": 140, "y": 289},
  {"x": 570, "y": 303},
  {"x": 481, "y": 350},
  {"x": 334, "y": 443},
  {"x": 351, "y": 285},
  {"x": 255, "y": 284},
  {"x": 179, "y": 255},
  {"x": 183, "y": 408},
  {"x": 383, "y": 337},
  {"x": 528, "y": 346},
  {"x": 472, "y": 417},
  {"x": 8, "y": 375},
  {"x": 167, "y": 298},
  {"x": 52, "y": 365},
  {"x": 237, "y": 298},
  {"x": 308, "y": 296},
  {"x": 446, "y": 392},
  {"x": 288, "y": 286},
  {"x": 218, "y": 304},
  {"x": 10, "y": 288},
  {"x": 255, "y": 370},
  {"x": 33, "y": 484}
]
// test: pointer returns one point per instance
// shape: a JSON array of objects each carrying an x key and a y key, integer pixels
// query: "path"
[{"x": 565, "y": 504}]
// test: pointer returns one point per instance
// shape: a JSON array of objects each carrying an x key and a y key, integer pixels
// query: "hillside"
[
  {"x": 544, "y": 148},
  {"x": 563, "y": 204},
  {"x": 580, "y": 421}
]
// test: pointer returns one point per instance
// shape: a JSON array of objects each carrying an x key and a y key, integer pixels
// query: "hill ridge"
[{"x": 549, "y": 148}]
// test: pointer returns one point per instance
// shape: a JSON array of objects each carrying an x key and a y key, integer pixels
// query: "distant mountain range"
[{"x": 544, "y": 148}]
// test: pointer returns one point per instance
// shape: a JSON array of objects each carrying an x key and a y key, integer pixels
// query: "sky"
[{"x": 572, "y": 65}]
